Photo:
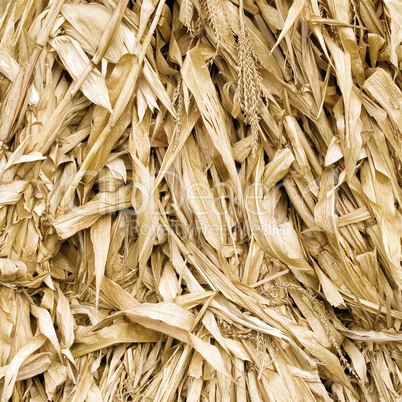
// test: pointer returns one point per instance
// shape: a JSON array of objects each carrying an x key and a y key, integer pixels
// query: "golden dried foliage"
[{"x": 200, "y": 200}]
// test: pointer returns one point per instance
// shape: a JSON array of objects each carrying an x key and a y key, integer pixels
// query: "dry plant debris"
[{"x": 200, "y": 200}]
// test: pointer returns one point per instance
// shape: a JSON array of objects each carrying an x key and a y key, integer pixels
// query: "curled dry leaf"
[{"x": 12, "y": 270}]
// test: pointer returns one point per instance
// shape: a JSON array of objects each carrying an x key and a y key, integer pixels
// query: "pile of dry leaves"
[{"x": 200, "y": 200}]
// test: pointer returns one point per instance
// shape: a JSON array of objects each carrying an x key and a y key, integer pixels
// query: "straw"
[{"x": 200, "y": 200}]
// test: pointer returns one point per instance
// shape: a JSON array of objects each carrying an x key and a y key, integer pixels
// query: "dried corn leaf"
[{"x": 75, "y": 60}]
